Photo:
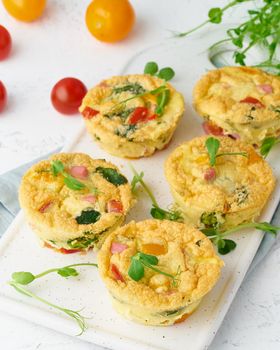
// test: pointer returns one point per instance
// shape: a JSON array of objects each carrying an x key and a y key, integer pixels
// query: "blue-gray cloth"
[{"x": 9, "y": 207}]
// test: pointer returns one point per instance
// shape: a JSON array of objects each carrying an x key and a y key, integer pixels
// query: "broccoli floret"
[{"x": 212, "y": 219}]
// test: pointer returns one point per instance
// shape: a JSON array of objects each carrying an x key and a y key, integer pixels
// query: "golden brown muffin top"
[{"x": 179, "y": 248}]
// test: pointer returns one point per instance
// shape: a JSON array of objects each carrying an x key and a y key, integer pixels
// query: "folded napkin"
[{"x": 9, "y": 207}]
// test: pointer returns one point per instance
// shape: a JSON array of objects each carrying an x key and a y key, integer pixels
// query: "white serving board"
[{"x": 19, "y": 248}]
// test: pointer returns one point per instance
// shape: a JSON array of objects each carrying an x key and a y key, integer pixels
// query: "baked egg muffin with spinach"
[
  {"x": 73, "y": 202},
  {"x": 132, "y": 116},
  {"x": 218, "y": 182},
  {"x": 157, "y": 272},
  {"x": 241, "y": 101}
]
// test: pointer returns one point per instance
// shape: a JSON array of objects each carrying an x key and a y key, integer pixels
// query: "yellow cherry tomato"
[
  {"x": 110, "y": 20},
  {"x": 25, "y": 10}
]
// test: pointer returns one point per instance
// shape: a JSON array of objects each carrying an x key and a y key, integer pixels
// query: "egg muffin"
[
  {"x": 132, "y": 116},
  {"x": 231, "y": 192},
  {"x": 73, "y": 202},
  {"x": 241, "y": 101},
  {"x": 183, "y": 269}
]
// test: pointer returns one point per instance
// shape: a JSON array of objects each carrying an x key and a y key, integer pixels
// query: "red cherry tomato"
[
  {"x": 62, "y": 250},
  {"x": 253, "y": 101},
  {"x": 5, "y": 43},
  {"x": 116, "y": 273},
  {"x": 3, "y": 96},
  {"x": 67, "y": 95},
  {"x": 140, "y": 114}
]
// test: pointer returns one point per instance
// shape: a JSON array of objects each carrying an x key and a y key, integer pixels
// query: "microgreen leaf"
[
  {"x": 150, "y": 259},
  {"x": 56, "y": 167},
  {"x": 212, "y": 144},
  {"x": 267, "y": 145},
  {"x": 73, "y": 183},
  {"x": 215, "y": 15},
  {"x": 136, "y": 269},
  {"x": 67, "y": 272},
  {"x": 139, "y": 260},
  {"x": 166, "y": 73},
  {"x": 161, "y": 214},
  {"x": 226, "y": 247},
  {"x": 23, "y": 277},
  {"x": 260, "y": 28},
  {"x": 136, "y": 179},
  {"x": 162, "y": 100},
  {"x": 156, "y": 212},
  {"x": 151, "y": 68}
]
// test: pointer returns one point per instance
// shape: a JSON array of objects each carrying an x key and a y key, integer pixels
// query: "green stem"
[
  {"x": 59, "y": 268},
  {"x": 157, "y": 270},
  {"x": 224, "y": 9},
  {"x": 146, "y": 188},
  {"x": 244, "y": 154},
  {"x": 218, "y": 43},
  {"x": 239, "y": 227},
  {"x": 154, "y": 91},
  {"x": 71, "y": 313}
]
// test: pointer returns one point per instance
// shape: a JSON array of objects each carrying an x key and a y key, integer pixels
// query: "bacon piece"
[
  {"x": 89, "y": 198},
  {"x": 117, "y": 247},
  {"x": 268, "y": 89},
  {"x": 79, "y": 172},
  {"x": 210, "y": 174}
]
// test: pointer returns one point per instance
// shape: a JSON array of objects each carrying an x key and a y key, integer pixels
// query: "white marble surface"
[{"x": 58, "y": 46}]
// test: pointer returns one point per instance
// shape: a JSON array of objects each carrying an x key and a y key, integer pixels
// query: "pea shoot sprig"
[
  {"x": 166, "y": 73},
  {"x": 267, "y": 145},
  {"x": 261, "y": 28},
  {"x": 225, "y": 246},
  {"x": 156, "y": 211},
  {"x": 23, "y": 278},
  {"x": 141, "y": 260},
  {"x": 212, "y": 145},
  {"x": 57, "y": 167},
  {"x": 162, "y": 92}
]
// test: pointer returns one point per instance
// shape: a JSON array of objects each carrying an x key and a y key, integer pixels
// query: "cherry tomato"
[
  {"x": 67, "y": 95},
  {"x": 5, "y": 43},
  {"x": 110, "y": 20},
  {"x": 89, "y": 113},
  {"x": 25, "y": 10},
  {"x": 140, "y": 114},
  {"x": 3, "y": 96},
  {"x": 62, "y": 250},
  {"x": 253, "y": 101},
  {"x": 116, "y": 273}
]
